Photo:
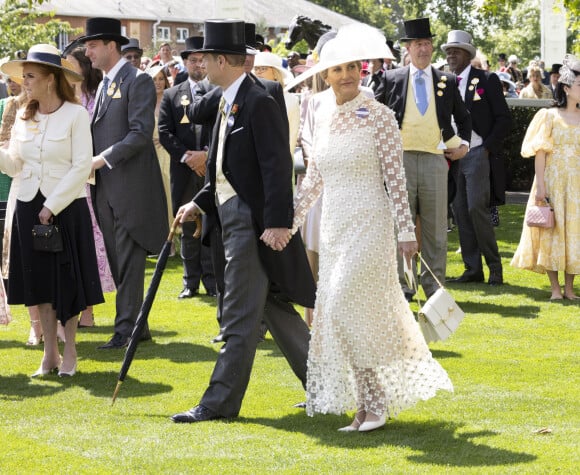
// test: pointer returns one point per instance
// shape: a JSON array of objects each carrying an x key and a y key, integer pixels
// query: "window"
[
  {"x": 61, "y": 40},
  {"x": 163, "y": 33},
  {"x": 182, "y": 34}
]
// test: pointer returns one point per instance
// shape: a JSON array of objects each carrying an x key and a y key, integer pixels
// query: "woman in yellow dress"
[{"x": 553, "y": 137}]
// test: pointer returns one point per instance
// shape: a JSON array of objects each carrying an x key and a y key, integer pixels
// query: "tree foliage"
[
  {"x": 21, "y": 27},
  {"x": 510, "y": 26}
]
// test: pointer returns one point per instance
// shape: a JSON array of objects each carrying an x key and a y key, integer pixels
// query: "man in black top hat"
[
  {"x": 483, "y": 96},
  {"x": 128, "y": 194},
  {"x": 425, "y": 100},
  {"x": 250, "y": 189},
  {"x": 132, "y": 52},
  {"x": 187, "y": 144}
]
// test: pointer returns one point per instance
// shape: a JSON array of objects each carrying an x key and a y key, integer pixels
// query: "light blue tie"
[{"x": 421, "y": 92}]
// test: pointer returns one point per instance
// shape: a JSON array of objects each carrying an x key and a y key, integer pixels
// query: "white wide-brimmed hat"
[
  {"x": 353, "y": 42},
  {"x": 44, "y": 54},
  {"x": 264, "y": 58}
]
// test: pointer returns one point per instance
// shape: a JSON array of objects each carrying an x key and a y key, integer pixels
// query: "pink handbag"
[{"x": 540, "y": 216}]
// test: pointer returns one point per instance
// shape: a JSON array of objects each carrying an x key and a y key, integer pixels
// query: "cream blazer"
[{"x": 52, "y": 153}]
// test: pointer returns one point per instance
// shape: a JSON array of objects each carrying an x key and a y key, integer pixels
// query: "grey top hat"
[
  {"x": 192, "y": 45},
  {"x": 104, "y": 29},
  {"x": 132, "y": 44},
  {"x": 459, "y": 39},
  {"x": 224, "y": 36},
  {"x": 417, "y": 29}
]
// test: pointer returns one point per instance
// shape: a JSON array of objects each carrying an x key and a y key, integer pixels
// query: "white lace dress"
[{"x": 366, "y": 348}]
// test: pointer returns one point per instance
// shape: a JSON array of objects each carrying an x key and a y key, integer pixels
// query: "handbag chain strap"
[{"x": 415, "y": 287}]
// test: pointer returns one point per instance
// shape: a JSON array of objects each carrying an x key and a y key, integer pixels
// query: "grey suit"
[{"x": 128, "y": 197}]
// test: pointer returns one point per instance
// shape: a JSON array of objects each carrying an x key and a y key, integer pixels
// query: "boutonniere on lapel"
[
  {"x": 441, "y": 85},
  {"x": 184, "y": 102},
  {"x": 232, "y": 116},
  {"x": 114, "y": 91},
  {"x": 478, "y": 91}
]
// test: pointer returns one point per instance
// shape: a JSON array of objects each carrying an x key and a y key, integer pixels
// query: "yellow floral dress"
[{"x": 556, "y": 249}]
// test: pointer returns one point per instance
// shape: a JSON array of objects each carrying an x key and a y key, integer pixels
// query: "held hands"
[
  {"x": 455, "y": 153},
  {"x": 45, "y": 215},
  {"x": 276, "y": 238}
]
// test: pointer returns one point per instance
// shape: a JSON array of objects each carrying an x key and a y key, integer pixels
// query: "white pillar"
[{"x": 553, "y": 25}]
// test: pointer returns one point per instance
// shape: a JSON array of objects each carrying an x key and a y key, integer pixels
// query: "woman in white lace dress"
[{"x": 366, "y": 351}]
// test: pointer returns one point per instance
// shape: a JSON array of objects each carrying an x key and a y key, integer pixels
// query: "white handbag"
[{"x": 440, "y": 316}]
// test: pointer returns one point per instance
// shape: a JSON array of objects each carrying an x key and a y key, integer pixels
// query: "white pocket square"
[{"x": 236, "y": 130}]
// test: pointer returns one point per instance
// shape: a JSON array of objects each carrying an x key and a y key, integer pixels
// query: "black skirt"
[{"x": 69, "y": 280}]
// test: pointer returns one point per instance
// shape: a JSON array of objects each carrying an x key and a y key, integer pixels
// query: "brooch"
[
  {"x": 441, "y": 85},
  {"x": 184, "y": 102},
  {"x": 472, "y": 86},
  {"x": 362, "y": 112}
]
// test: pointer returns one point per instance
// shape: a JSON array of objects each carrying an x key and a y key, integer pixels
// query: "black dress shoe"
[
  {"x": 117, "y": 342},
  {"x": 197, "y": 414},
  {"x": 467, "y": 278},
  {"x": 187, "y": 293},
  {"x": 495, "y": 278}
]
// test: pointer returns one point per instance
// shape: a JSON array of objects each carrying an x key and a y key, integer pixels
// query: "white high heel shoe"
[
  {"x": 43, "y": 372},
  {"x": 372, "y": 425},
  {"x": 72, "y": 372},
  {"x": 355, "y": 424}
]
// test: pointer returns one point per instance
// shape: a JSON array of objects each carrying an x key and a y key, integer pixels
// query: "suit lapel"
[
  {"x": 113, "y": 92},
  {"x": 469, "y": 91}
]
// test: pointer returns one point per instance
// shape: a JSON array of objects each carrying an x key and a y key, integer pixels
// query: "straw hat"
[
  {"x": 42, "y": 54},
  {"x": 353, "y": 42}
]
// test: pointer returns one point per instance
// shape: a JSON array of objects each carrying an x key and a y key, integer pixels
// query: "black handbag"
[{"x": 47, "y": 238}]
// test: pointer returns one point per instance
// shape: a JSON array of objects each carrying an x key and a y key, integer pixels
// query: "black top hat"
[
  {"x": 555, "y": 68},
  {"x": 224, "y": 36},
  {"x": 502, "y": 56},
  {"x": 417, "y": 29},
  {"x": 132, "y": 44},
  {"x": 251, "y": 40},
  {"x": 192, "y": 45},
  {"x": 104, "y": 29}
]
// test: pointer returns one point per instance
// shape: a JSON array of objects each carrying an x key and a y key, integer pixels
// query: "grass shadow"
[{"x": 439, "y": 442}]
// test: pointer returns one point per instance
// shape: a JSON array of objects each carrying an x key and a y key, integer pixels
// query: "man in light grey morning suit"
[{"x": 128, "y": 194}]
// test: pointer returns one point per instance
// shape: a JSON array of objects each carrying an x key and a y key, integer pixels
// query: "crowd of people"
[{"x": 108, "y": 150}]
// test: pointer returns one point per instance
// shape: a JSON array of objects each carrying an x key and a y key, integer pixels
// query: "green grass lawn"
[{"x": 514, "y": 362}]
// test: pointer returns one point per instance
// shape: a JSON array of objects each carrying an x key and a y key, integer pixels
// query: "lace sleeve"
[
  {"x": 390, "y": 153},
  {"x": 308, "y": 192}
]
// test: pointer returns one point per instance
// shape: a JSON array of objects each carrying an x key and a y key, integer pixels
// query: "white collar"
[
  {"x": 231, "y": 92},
  {"x": 115, "y": 69},
  {"x": 414, "y": 69}
]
